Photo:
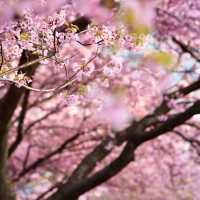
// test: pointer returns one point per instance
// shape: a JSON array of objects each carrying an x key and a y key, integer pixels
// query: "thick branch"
[
  {"x": 170, "y": 124},
  {"x": 90, "y": 161},
  {"x": 79, "y": 188}
]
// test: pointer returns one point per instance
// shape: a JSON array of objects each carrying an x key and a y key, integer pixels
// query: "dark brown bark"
[
  {"x": 90, "y": 161},
  {"x": 8, "y": 104},
  {"x": 73, "y": 191}
]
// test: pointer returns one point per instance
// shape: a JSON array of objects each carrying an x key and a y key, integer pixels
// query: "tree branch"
[
  {"x": 41, "y": 160},
  {"x": 75, "y": 190}
]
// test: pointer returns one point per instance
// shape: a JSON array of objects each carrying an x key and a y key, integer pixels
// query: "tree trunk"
[{"x": 8, "y": 104}]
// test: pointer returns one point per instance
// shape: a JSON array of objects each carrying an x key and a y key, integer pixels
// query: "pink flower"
[
  {"x": 143, "y": 10},
  {"x": 93, "y": 9}
]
